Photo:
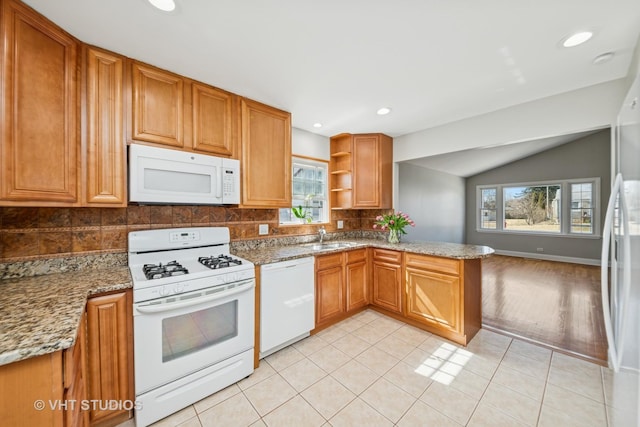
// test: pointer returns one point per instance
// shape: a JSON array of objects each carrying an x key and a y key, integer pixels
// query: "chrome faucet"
[{"x": 322, "y": 232}]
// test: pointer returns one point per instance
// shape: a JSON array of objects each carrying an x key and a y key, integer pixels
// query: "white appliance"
[
  {"x": 193, "y": 317},
  {"x": 161, "y": 175},
  {"x": 621, "y": 251},
  {"x": 287, "y": 303}
]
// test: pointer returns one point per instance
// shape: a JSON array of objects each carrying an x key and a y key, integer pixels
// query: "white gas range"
[{"x": 193, "y": 317}]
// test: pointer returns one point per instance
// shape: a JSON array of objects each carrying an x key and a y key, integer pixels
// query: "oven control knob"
[
  {"x": 178, "y": 289},
  {"x": 164, "y": 291}
]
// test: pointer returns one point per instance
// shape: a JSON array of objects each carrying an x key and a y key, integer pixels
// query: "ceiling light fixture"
[
  {"x": 577, "y": 38},
  {"x": 383, "y": 111},
  {"x": 317, "y": 125},
  {"x": 163, "y": 5},
  {"x": 603, "y": 57}
]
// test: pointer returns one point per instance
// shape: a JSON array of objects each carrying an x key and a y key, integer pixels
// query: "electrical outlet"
[
  {"x": 540, "y": 249},
  {"x": 340, "y": 223},
  {"x": 263, "y": 229}
]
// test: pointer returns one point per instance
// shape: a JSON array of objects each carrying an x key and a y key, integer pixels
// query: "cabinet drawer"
[
  {"x": 432, "y": 263},
  {"x": 356, "y": 255},
  {"x": 394, "y": 257},
  {"x": 327, "y": 261}
]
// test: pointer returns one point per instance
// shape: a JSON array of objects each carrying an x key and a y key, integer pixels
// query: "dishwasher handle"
[{"x": 287, "y": 264}]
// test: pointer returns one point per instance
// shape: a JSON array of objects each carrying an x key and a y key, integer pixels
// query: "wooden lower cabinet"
[
  {"x": 386, "y": 283},
  {"x": 341, "y": 286},
  {"x": 110, "y": 356},
  {"x": 329, "y": 288},
  {"x": 46, "y": 390},
  {"x": 444, "y": 295},
  {"x": 356, "y": 279}
]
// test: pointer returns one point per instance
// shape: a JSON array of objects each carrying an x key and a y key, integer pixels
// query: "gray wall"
[
  {"x": 584, "y": 158},
  {"x": 435, "y": 201}
]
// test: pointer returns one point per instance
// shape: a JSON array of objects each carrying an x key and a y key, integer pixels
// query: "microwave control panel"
[{"x": 228, "y": 181}]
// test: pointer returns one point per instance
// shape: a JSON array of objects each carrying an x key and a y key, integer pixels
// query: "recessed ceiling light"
[
  {"x": 383, "y": 111},
  {"x": 604, "y": 57},
  {"x": 164, "y": 5},
  {"x": 317, "y": 125},
  {"x": 577, "y": 38}
]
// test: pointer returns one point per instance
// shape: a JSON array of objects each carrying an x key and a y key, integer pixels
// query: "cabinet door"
[
  {"x": 433, "y": 298},
  {"x": 105, "y": 163},
  {"x": 266, "y": 156},
  {"x": 110, "y": 353},
  {"x": 357, "y": 289},
  {"x": 39, "y": 109},
  {"x": 212, "y": 120},
  {"x": 329, "y": 294},
  {"x": 366, "y": 178},
  {"x": 157, "y": 106},
  {"x": 386, "y": 286}
]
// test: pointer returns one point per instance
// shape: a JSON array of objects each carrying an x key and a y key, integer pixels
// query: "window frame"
[
  {"x": 565, "y": 209},
  {"x": 326, "y": 209}
]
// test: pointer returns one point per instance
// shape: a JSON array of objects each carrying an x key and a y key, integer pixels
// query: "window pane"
[
  {"x": 582, "y": 208},
  {"x": 534, "y": 208},
  {"x": 488, "y": 208},
  {"x": 309, "y": 190}
]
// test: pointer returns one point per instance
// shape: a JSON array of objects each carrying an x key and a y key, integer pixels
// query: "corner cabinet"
[
  {"x": 386, "y": 283},
  {"x": 110, "y": 355},
  {"x": 39, "y": 147},
  {"x": 444, "y": 295},
  {"x": 361, "y": 168},
  {"x": 266, "y": 156},
  {"x": 104, "y": 161}
]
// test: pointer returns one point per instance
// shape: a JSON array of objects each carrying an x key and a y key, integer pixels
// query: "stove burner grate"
[
  {"x": 220, "y": 261},
  {"x": 158, "y": 271}
]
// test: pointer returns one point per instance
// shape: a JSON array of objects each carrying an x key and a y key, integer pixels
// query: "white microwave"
[{"x": 164, "y": 176}]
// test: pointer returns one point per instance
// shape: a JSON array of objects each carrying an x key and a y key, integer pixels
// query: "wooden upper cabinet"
[
  {"x": 361, "y": 168},
  {"x": 212, "y": 120},
  {"x": 157, "y": 106},
  {"x": 39, "y": 147},
  {"x": 104, "y": 164},
  {"x": 266, "y": 156}
]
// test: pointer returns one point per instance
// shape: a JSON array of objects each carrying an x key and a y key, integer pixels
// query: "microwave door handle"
[
  {"x": 219, "y": 177},
  {"x": 189, "y": 303}
]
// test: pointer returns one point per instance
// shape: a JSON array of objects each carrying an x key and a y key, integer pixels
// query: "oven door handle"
[{"x": 159, "y": 308}]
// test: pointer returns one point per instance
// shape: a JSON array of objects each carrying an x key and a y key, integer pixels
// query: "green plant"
[{"x": 304, "y": 212}]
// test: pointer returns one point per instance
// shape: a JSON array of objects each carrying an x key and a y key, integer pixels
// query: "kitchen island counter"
[{"x": 271, "y": 254}]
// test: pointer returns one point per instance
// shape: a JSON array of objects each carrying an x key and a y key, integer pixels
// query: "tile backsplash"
[{"x": 34, "y": 233}]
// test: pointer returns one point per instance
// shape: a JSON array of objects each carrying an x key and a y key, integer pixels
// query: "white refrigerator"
[{"x": 621, "y": 252}]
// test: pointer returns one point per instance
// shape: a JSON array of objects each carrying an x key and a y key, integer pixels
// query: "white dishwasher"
[{"x": 287, "y": 303}]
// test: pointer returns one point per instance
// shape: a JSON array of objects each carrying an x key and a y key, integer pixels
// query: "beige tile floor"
[{"x": 371, "y": 370}]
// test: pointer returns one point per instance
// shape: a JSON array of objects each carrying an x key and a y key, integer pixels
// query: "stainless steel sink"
[{"x": 328, "y": 245}]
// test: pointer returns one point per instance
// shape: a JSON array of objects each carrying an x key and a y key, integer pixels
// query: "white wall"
[
  {"x": 309, "y": 144},
  {"x": 584, "y": 109},
  {"x": 435, "y": 201}
]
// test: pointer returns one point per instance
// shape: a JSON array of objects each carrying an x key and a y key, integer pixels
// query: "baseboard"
[{"x": 546, "y": 257}]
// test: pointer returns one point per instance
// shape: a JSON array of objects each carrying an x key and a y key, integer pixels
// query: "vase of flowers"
[{"x": 395, "y": 223}]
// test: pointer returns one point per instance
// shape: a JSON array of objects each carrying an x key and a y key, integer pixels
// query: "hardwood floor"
[{"x": 552, "y": 303}]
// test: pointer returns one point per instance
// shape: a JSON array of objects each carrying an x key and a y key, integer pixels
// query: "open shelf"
[
  {"x": 340, "y": 154},
  {"x": 340, "y": 172},
  {"x": 340, "y": 189}
]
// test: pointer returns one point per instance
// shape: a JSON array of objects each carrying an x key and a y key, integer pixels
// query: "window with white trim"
[
  {"x": 563, "y": 207},
  {"x": 309, "y": 193}
]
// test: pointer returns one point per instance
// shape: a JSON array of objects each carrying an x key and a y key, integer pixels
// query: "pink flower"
[
  {"x": 379, "y": 218},
  {"x": 383, "y": 228},
  {"x": 392, "y": 222},
  {"x": 375, "y": 225}
]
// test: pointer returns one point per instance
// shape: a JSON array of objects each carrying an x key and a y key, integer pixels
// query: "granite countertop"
[
  {"x": 268, "y": 255},
  {"x": 41, "y": 314}
]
